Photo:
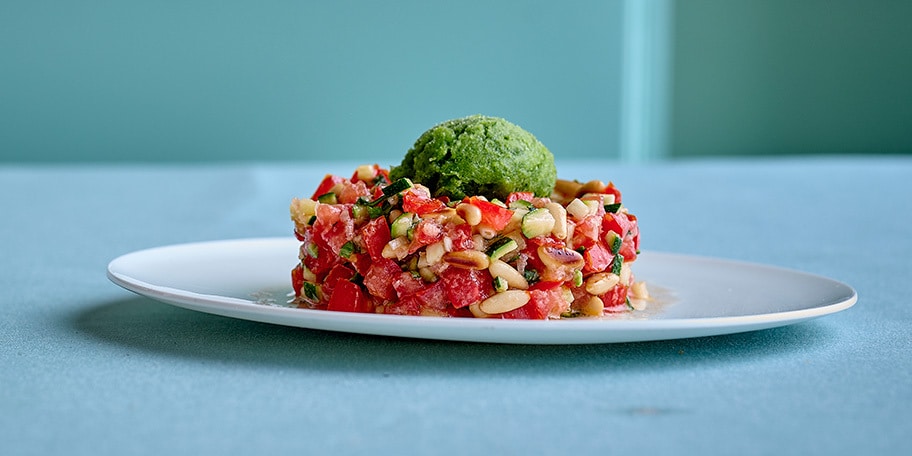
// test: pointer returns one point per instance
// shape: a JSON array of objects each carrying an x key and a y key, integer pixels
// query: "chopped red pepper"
[
  {"x": 328, "y": 182},
  {"x": 492, "y": 215}
]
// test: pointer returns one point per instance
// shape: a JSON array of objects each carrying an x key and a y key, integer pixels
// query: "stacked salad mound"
[{"x": 379, "y": 244}]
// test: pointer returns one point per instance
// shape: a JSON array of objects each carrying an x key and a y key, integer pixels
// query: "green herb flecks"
[
  {"x": 348, "y": 249},
  {"x": 616, "y": 264}
]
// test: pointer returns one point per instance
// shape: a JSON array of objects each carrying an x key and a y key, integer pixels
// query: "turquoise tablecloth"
[{"x": 89, "y": 368}]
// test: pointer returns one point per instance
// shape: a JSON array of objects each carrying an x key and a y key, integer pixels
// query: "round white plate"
[{"x": 693, "y": 296}]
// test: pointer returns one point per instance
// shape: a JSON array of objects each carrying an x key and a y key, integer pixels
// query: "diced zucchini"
[
  {"x": 537, "y": 222},
  {"x": 521, "y": 204},
  {"x": 311, "y": 291},
  {"x": 360, "y": 211},
  {"x": 311, "y": 249},
  {"x": 613, "y": 208},
  {"x": 327, "y": 198},
  {"x": 402, "y": 225},
  {"x": 397, "y": 187},
  {"x": 614, "y": 241},
  {"x": 501, "y": 247}
]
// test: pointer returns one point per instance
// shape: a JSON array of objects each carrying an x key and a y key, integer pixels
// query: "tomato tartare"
[{"x": 375, "y": 246}]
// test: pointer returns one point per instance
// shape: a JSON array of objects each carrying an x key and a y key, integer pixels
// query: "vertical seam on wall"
[{"x": 645, "y": 80}]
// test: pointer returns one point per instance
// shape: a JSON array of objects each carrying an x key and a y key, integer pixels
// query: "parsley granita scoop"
[{"x": 479, "y": 155}]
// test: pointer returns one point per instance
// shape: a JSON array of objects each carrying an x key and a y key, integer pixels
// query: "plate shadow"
[{"x": 164, "y": 330}]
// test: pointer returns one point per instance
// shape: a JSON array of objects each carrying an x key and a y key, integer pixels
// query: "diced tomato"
[
  {"x": 598, "y": 258},
  {"x": 628, "y": 251},
  {"x": 516, "y": 196},
  {"x": 465, "y": 286},
  {"x": 348, "y": 297},
  {"x": 406, "y": 284},
  {"x": 384, "y": 173},
  {"x": 426, "y": 232},
  {"x": 586, "y": 233},
  {"x": 328, "y": 182},
  {"x": 338, "y": 273},
  {"x": 376, "y": 192},
  {"x": 334, "y": 226},
  {"x": 375, "y": 235},
  {"x": 616, "y": 299},
  {"x": 545, "y": 285},
  {"x": 361, "y": 262},
  {"x": 324, "y": 260},
  {"x": 433, "y": 297},
  {"x": 542, "y": 303},
  {"x": 626, "y": 226},
  {"x": 635, "y": 231},
  {"x": 297, "y": 279},
  {"x": 617, "y": 222},
  {"x": 352, "y": 191},
  {"x": 612, "y": 190},
  {"x": 376, "y": 170},
  {"x": 381, "y": 176},
  {"x": 418, "y": 298},
  {"x": 492, "y": 215},
  {"x": 419, "y": 203},
  {"x": 404, "y": 306},
  {"x": 461, "y": 235},
  {"x": 379, "y": 278}
]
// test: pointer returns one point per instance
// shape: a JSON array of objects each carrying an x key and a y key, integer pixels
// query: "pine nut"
[
  {"x": 514, "y": 279},
  {"x": 427, "y": 275},
  {"x": 639, "y": 290},
  {"x": 593, "y": 307},
  {"x": 467, "y": 259},
  {"x": 469, "y": 212},
  {"x": 486, "y": 232},
  {"x": 593, "y": 186},
  {"x": 626, "y": 274},
  {"x": 504, "y": 302},
  {"x": 478, "y": 241},
  {"x": 556, "y": 257},
  {"x": 567, "y": 188},
  {"x": 393, "y": 215},
  {"x": 600, "y": 283},
  {"x": 434, "y": 253},
  {"x": 560, "y": 220},
  {"x": 475, "y": 308},
  {"x": 396, "y": 248}
]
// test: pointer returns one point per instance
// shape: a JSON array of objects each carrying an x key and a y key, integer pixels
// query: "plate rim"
[{"x": 584, "y": 331}]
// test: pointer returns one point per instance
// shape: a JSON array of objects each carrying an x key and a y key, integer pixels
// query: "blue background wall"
[
  {"x": 200, "y": 80},
  {"x": 792, "y": 76},
  {"x": 232, "y": 80}
]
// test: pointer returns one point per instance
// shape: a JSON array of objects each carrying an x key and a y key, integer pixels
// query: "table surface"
[{"x": 89, "y": 368}]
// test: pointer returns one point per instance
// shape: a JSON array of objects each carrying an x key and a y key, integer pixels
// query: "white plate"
[{"x": 695, "y": 296}]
